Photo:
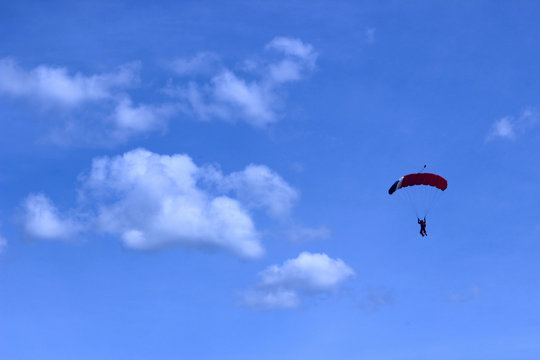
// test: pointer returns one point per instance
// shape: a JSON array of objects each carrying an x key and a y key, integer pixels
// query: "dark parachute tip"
[{"x": 393, "y": 188}]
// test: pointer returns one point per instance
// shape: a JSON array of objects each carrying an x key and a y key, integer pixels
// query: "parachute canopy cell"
[{"x": 419, "y": 179}]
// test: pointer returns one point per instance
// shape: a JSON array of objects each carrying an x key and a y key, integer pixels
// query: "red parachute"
[{"x": 421, "y": 190}]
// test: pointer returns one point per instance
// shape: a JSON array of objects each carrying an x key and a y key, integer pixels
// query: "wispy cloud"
[
  {"x": 99, "y": 109},
  {"x": 468, "y": 295},
  {"x": 299, "y": 233},
  {"x": 369, "y": 35},
  {"x": 275, "y": 299},
  {"x": 284, "y": 286},
  {"x": 300, "y": 59},
  {"x": 254, "y": 97},
  {"x": 95, "y": 109},
  {"x": 204, "y": 64},
  {"x": 295, "y": 48},
  {"x": 56, "y": 85},
  {"x": 376, "y": 298},
  {"x": 510, "y": 127},
  {"x": 250, "y": 100},
  {"x": 3, "y": 244},
  {"x": 503, "y": 128},
  {"x": 152, "y": 201}
]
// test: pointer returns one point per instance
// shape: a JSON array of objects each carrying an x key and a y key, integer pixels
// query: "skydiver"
[{"x": 422, "y": 226}]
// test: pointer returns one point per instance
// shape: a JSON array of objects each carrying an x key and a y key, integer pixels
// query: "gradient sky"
[{"x": 208, "y": 180}]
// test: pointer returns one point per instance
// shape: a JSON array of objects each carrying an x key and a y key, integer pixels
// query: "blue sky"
[{"x": 201, "y": 180}]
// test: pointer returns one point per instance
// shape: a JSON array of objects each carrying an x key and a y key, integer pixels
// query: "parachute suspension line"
[
  {"x": 434, "y": 198},
  {"x": 430, "y": 197},
  {"x": 421, "y": 198},
  {"x": 411, "y": 200},
  {"x": 426, "y": 198}
]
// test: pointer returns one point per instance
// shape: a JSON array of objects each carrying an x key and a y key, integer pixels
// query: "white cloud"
[
  {"x": 282, "y": 286},
  {"x": 300, "y": 59},
  {"x": 510, "y": 127},
  {"x": 228, "y": 97},
  {"x": 151, "y": 201},
  {"x": 55, "y": 85},
  {"x": 43, "y": 220},
  {"x": 154, "y": 200},
  {"x": 255, "y": 100},
  {"x": 248, "y": 100},
  {"x": 112, "y": 118},
  {"x": 295, "y": 48},
  {"x": 97, "y": 109},
  {"x": 285, "y": 71},
  {"x": 311, "y": 272},
  {"x": 130, "y": 119},
  {"x": 260, "y": 187},
  {"x": 503, "y": 128},
  {"x": 204, "y": 63}
]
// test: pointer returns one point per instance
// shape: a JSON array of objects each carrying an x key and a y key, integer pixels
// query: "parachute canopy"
[{"x": 419, "y": 179}]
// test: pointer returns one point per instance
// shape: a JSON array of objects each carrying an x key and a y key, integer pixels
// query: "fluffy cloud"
[
  {"x": 510, "y": 127},
  {"x": 151, "y": 201},
  {"x": 309, "y": 272},
  {"x": 43, "y": 220},
  {"x": 57, "y": 86},
  {"x": 154, "y": 200},
  {"x": 252, "y": 99},
  {"x": 283, "y": 286}
]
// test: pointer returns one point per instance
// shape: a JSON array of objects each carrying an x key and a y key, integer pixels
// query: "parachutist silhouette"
[
  {"x": 422, "y": 226},
  {"x": 423, "y": 182}
]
